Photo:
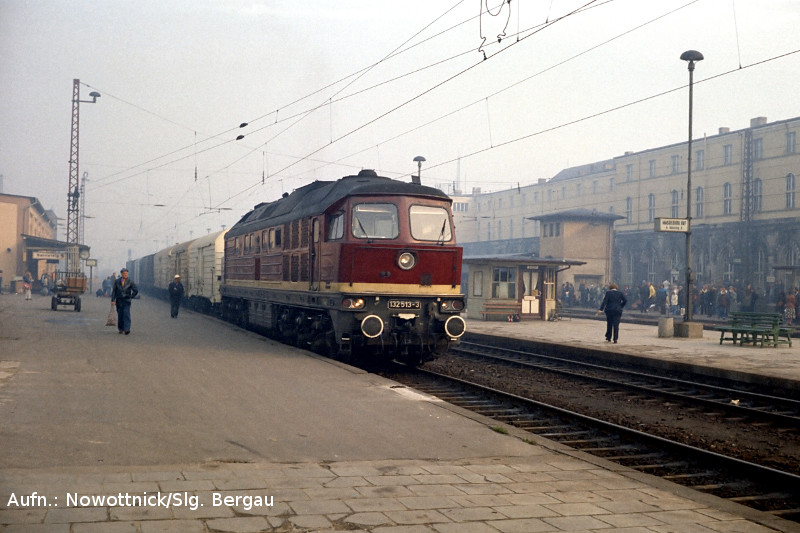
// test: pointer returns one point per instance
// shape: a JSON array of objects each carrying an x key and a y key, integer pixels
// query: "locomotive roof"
[{"x": 315, "y": 198}]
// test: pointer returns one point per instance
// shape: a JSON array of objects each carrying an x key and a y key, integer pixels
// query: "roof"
[
  {"x": 579, "y": 214},
  {"x": 316, "y": 197},
  {"x": 48, "y": 244},
  {"x": 521, "y": 259}
]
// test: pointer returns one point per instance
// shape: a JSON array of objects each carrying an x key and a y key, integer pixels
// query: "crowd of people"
[{"x": 711, "y": 299}]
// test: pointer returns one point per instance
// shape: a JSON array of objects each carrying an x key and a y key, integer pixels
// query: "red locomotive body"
[{"x": 361, "y": 265}]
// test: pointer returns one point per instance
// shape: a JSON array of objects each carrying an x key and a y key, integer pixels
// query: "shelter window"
[
  {"x": 264, "y": 240},
  {"x": 430, "y": 223},
  {"x": 336, "y": 226},
  {"x": 375, "y": 221},
  {"x": 504, "y": 282}
]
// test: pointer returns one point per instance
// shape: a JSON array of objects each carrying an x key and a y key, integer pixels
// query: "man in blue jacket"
[
  {"x": 613, "y": 302},
  {"x": 123, "y": 292}
]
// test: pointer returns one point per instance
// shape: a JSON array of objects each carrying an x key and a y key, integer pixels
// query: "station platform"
[
  {"x": 258, "y": 436},
  {"x": 778, "y": 366}
]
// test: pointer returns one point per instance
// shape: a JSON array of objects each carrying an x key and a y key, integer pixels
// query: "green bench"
[{"x": 755, "y": 328}]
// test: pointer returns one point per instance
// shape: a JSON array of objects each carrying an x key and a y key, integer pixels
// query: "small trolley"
[{"x": 69, "y": 288}]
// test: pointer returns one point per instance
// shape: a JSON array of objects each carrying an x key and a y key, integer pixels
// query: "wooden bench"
[
  {"x": 756, "y": 328},
  {"x": 501, "y": 309}
]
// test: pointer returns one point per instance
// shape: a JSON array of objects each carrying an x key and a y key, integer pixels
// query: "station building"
[
  {"x": 745, "y": 219},
  {"x": 27, "y": 240}
]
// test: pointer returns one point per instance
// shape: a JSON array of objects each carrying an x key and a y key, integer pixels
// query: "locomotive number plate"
[{"x": 404, "y": 304}]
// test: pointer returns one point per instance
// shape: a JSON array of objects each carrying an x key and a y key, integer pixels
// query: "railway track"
[
  {"x": 745, "y": 402},
  {"x": 761, "y": 487}
]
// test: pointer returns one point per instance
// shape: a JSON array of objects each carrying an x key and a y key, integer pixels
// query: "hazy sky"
[{"x": 328, "y": 88}]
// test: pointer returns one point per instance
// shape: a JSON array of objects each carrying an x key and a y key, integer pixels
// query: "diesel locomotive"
[{"x": 362, "y": 267}]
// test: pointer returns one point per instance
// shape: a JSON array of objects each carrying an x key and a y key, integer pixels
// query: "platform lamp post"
[
  {"x": 418, "y": 178},
  {"x": 691, "y": 56}
]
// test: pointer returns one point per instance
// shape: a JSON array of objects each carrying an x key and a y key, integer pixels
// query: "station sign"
[
  {"x": 675, "y": 225},
  {"x": 91, "y": 262},
  {"x": 50, "y": 255}
]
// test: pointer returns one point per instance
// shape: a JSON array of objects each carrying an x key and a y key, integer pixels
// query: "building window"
[
  {"x": 504, "y": 283},
  {"x": 488, "y": 231},
  {"x": 676, "y": 164},
  {"x": 563, "y": 192},
  {"x": 629, "y": 172},
  {"x": 700, "y": 160},
  {"x": 673, "y": 211},
  {"x": 790, "y": 190},
  {"x": 652, "y": 168},
  {"x": 594, "y": 187},
  {"x": 791, "y": 142},
  {"x": 758, "y": 149},
  {"x": 558, "y": 229},
  {"x": 578, "y": 190},
  {"x": 727, "y": 199},
  {"x": 651, "y": 207},
  {"x": 550, "y": 195},
  {"x": 698, "y": 206},
  {"x": 727, "y": 154},
  {"x": 511, "y": 229},
  {"x": 629, "y": 210},
  {"x": 611, "y": 185},
  {"x": 611, "y": 209},
  {"x": 499, "y": 229},
  {"x": 758, "y": 191}
]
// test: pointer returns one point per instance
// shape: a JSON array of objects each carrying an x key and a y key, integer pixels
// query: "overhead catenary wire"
[{"x": 550, "y": 129}]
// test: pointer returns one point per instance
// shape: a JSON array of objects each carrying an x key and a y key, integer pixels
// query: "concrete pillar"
[{"x": 666, "y": 326}]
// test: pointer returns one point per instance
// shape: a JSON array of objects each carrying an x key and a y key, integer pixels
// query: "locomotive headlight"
[
  {"x": 406, "y": 260},
  {"x": 451, "y": 306},
  {"x": 353, "y": 303}
]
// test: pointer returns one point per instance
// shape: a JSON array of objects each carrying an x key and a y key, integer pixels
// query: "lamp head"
[
  {"x": 419, "y": 159},
  {"x": 691, "y": 56}
]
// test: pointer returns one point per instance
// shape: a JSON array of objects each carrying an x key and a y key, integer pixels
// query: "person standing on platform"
[
  {"x": 612, "y": 305},
  {"x": 175, "y": 290},
  {"x": 790, "y": 303},
  {"x": 27, "y": 284},
  {"x": 123, "y": 292}
]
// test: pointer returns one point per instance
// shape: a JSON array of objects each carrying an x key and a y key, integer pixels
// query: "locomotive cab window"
[
  {"x": 336, "y": 226},
  {"x": 375, "y": 221},
  {"x": 430, "y": 223}
]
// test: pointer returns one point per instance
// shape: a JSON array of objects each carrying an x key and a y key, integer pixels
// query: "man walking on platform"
[
  {"x": 123, "y": 292},
  {"x": 613, "y": 302},
  {"x": 175, "y": 290}
]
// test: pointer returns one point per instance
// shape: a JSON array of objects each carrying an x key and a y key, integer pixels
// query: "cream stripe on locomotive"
[{"x": 359, "y": 288}]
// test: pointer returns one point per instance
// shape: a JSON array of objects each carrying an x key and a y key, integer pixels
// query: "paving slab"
[{"x": 449, "y": 473}]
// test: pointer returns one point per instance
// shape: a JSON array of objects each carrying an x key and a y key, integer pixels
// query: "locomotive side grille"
[
  {"x": 295, "y": 267},
  {"x": 304, "y": 225},
  {"x": 304, "y": 267},
  {"x": 294, "y": 241},
  {"x": 286, "y": 271}
]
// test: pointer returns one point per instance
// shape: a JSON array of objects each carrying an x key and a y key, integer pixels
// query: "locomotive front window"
[
  {"x": 375, "y": 221},
  {"x": 430, "y": 223}
]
